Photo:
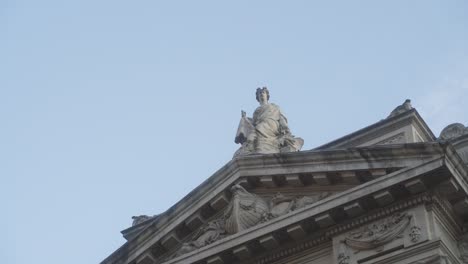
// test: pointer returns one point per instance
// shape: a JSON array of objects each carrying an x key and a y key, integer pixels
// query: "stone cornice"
[
  {"x": 275, "y": 163},
  {"x": 315, "y": 209}
]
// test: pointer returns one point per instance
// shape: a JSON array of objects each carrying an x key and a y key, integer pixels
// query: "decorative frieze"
[{"x": 401, "y": 229}]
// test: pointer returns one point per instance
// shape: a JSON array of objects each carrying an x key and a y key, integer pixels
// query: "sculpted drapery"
[{"x": 267, "y": 132}]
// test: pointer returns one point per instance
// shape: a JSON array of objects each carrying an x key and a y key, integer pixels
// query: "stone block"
[
  {"x": 219, "y": 202},
  {"x": 461, "y": 207},
  {"x": 296, "y": 231},
  {"x": 383, "y": 198},
  {"x": 267, "y": 181},
  {"x": 294, "y": 180},
  {"x": 448, "y": 187},
  {"x": 415, "y": 186},
  {"x": 215, "y": 260},
  {"x": 353, "y": 209},
  {"x": 244, "y": 183},
  {"x": 324, "y": 220},
  {"x": 378, "y": 173},
  {"x": 242, "y": 252},
  {"x": 194, "y": 221},
  {"x": 349, "y": 177},
  {"x": 170, "y": 240},
  {"x": 321, "y": 178},
  {"x": 269, "y": 242},
  {"x": 146, "y": 259}
]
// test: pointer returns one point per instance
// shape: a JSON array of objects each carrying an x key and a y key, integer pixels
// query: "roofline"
[
  {"x": 377, "y": 124},
  {"x": 281, "y": 159}
]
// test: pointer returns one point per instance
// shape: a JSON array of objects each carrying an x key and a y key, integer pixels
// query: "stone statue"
[
  {"x": 267, "y": 131},
  {"x": 244, "y": 211},
  {"x": 453, "y": 131},
  {"x": 210, "y": 233},
  {"x": 406, "y": 106},
  {"x": 140, "y": 219}
]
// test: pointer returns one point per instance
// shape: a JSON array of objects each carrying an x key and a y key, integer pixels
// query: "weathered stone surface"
[
  {"x": 324, "y": 220},
  {"x": 170, "y": 240},
  {"x": 245, "y": 210},
  {"x": 415, "y": 186},
  {"x": 194, "y": 221},
  {"x": 383, "y": 198},
  {"x": 294, "y": 180},
  {"x": 353, "y": 209},
  {"x": 215, "y": 260},
  {"x": 296, "y": 231},
  {"x": 219, "y": 202},
  {"x": 268, "y": 181},
  {"x": 242, "y": 252},
  {"x": 321, "y": 178},
  {"x": 269, "y": 242},
  {"x": 146, "y": 259}
]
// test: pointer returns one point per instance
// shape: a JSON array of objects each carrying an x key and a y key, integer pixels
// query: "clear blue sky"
[{"x": 111, "y": 109}]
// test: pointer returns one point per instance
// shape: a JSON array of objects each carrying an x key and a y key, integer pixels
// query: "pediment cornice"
[{"x": 400, "y": 163}]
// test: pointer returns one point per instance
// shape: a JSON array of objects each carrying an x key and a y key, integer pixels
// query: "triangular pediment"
[
  {"x": 402, "y": 128},
  {"x": 297, "y": 182}
]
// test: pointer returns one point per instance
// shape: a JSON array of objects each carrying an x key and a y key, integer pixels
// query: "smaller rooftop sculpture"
[
  {"x": 267, "y": 131},
  {"x": 406, "y": 106},
  {"x": 452, "y": 131}
]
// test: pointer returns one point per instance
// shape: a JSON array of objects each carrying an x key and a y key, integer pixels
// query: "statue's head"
[{"x": 260, "y": 92}]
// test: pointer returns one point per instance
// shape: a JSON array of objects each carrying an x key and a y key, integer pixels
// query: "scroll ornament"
[{"x": 379, "y": 233}]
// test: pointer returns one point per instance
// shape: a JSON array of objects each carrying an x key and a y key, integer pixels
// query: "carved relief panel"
[{"x": 399, "y": 230}]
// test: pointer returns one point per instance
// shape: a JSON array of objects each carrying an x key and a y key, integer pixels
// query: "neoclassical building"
[{"x": 391, "y": 192}]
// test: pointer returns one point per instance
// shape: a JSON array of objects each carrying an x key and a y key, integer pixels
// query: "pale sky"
[{"x": 111, "y": 109}]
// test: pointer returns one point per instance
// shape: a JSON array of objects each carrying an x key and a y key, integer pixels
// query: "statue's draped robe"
[
  {"x": 266, "y": 132},
  {"x": 266, "y": 120}
]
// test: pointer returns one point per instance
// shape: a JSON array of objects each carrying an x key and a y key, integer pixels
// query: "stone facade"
[{"x": 389, "y": 193}]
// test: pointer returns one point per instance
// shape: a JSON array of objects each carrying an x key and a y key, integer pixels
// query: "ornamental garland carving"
[
  {"x": 244, "y": 211},
  {"x": 379, "y": 233}
]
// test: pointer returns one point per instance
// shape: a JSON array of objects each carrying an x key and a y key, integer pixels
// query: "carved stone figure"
[
  {"x": 281, "y": 205},
  {"x": 267, "y": 132},
  {"x": 415, "y": 234},
  {"x": 453, "y": 131},
  {"x": 342, "y": 259},
  {"x": 379, "y": 233},
  {"x": 211, "y": 232},
  {"x": 140, "y": 219},
  {"x": 245, "y": 210},
  {"x": 308, "y": 200},
  {"x": 406, "y": 106}
]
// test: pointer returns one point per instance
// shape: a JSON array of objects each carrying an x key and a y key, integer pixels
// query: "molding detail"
[{"x": 463, "y": 248}]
